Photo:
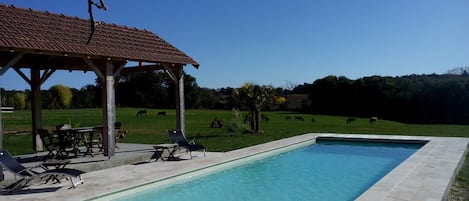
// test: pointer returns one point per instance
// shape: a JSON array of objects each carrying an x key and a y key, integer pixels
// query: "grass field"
[{"x": 152, "y": 129}]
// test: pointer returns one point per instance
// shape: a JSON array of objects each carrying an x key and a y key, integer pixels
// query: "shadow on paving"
[
  {"x": 126, "y": 154},
  {"x": 32, "y": 191}
]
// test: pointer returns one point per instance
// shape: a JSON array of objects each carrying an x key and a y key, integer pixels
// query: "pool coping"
[{"x": 426, "y": 175}]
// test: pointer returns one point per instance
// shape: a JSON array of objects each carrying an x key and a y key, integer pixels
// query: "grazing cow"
[
  {"x": 265, "y": 118},
  {"x": 373, "y": 120},
  {"x": 217, "y": 123},
  {"x": 350, "y": 120},
  {"x": 299, "y": 118},
  {"x": 287, "y": 117},
  {"x": 142, "y": 112},
  {"x": 162, "y": 114},
  {"x": 313, "y": 120},
  {"x": 221, "y": 123}
]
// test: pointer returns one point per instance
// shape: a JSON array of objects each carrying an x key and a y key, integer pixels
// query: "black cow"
[
  {"x": 142, "y": 112},
  {"x": 162, "y": 114},
  {"x": 217, "y": 123},
  {"x": 350, "y": 120},
  {"x": 299, "y": 118}
]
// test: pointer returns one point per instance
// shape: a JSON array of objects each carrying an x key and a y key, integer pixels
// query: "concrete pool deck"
[{"x": 426, "y": 175}]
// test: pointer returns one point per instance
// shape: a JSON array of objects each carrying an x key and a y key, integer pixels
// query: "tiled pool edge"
[{"x": 426, "y": 175}]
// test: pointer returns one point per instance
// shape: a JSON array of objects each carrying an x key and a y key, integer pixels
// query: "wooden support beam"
[
  {"x": 117, "y": 72},
  {"x": 11, "y": 63},
  {"x": 22, "y": 75},
  {"x": 46, "y": 75},
  {"x": 94, "y": 68},
  {"x": 119, "y": 69},
  {"x": 172, "y": 75}
]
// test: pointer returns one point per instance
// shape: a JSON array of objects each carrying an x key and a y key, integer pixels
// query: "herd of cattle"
[
  {"x": 144, "y": 113},
  {"x": 218, "y": 123}
]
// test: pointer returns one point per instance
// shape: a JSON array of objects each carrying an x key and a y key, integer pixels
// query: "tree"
[
  {"x": 143, "y": 89},
  {"x": 157, "y": 90},
  {"x": 459, "y": 71},
  {"x": 60, "y": 96},
  {"x": 19, "y": 100},
  {"x": 86, "y": 97},
  {"x": 254, "y": 97}
]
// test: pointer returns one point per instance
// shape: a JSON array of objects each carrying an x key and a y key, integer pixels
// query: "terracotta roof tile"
[{"x": 36, "y": 30}]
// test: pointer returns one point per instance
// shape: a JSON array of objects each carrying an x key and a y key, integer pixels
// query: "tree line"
[
  {"x": 145, "y": 90},
  {"x": 429, "y": 99}
]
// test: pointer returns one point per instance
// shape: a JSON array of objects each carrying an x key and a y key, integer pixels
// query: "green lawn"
[{"x": 152, "y": 129}]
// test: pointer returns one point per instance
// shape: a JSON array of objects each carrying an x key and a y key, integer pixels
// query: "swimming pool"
[{"x": 328, "y": 170}]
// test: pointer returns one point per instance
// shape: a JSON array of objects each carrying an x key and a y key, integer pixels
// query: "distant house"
[{"x": 297, "y": 101}]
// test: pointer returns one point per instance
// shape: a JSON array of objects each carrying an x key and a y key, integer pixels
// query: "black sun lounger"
[
  {"x": 28, "y": 175},
  {"x": 177, "y": 137}
]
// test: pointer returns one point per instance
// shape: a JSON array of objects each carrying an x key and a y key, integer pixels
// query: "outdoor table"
[
  {"x": 66, "y": 140},
  {"x": 169, "y": 148},
  {"x": 72, "y": 137}
]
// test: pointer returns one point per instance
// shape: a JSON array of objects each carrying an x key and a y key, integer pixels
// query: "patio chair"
[
  {"x": 177, "y": 137},
  {"x": 97, "y": 138},
  {"x": 53, "y": 146},
  {"x": 119, "y": 133},
  {"x": 29, "y": 175}
]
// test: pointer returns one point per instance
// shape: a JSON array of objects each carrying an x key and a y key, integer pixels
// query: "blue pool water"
[{"x": 328, "y": 170}]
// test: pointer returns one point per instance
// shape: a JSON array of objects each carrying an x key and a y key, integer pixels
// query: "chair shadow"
[
  {"x": 32, "y": 191},
  {"x": 89, "y": 161},
  {"x": 135, "y": 150},
  {"x": 31, "y": 159}
]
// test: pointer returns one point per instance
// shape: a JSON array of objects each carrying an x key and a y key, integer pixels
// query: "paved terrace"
[{"x": 426, "y": 175}]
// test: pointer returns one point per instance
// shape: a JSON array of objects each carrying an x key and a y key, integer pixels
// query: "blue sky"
[{"x": 275, "y": 42}]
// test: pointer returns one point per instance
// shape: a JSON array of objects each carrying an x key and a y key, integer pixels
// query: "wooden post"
[
  {"x": 108, "y": 103},
  {"x": 109, "y": 111},
  {"x": 2, "y": 71},
  {"x": 36, "y": 107},
  {"x": 178, "y": 79},
  {"x": 180, "y": 105}
]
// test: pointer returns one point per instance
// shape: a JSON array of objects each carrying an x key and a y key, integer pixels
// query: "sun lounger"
[
  {"x": 177, "y": 137},
  {"x": 28, "y": 175}
]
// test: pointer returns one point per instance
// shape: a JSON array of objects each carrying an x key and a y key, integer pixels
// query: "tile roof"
[{"x": 27, "y": 29}]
